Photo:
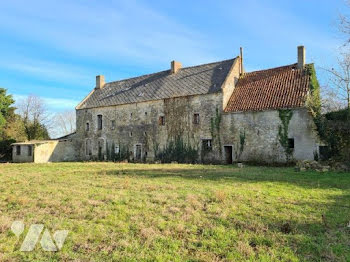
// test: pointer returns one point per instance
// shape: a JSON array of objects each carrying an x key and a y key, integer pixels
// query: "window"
[
  {"x": 145, "y": 113},
  {"x": 161, "y": 121},
  {"x": 291, "y": 143},
  {"x": 113, "y": 124},
  {"x": 130, "y": 134},
  {"x": 116, "y": 149},
  {"x": 206, "y": 145},
  {"x": 88, "y": 150},
  {"x": 29, "y": 150},
  {"x": 99, "y": 122},
  {"x": 18, "y": 150},
  {"x": 145, "y": 133},
  {"x": 196, "y": 119},
  {"x": 325, "y": 152},
  {"x": 87, "y": 127}
]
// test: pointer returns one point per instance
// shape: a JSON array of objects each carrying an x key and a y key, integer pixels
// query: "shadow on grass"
[
  {"x": 327, "y": 240},
  {"x": 311, "y": 179}
]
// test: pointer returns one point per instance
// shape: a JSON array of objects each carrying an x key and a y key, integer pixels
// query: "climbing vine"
[
  {"x": 242, "y": 140},
  {"x": 215, "y": 129},
  {"x": 314, "y": 102},
  {"x": 285, "y": 115},
  {"x": 177, "y": 150}
]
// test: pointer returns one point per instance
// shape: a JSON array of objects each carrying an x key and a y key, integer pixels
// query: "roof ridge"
[
  {"x": 225, "y": 60},
  {"x": 274, "y": 68},
  {"x": 268, "y": 69},
  {"x": 150, "y": 74}
]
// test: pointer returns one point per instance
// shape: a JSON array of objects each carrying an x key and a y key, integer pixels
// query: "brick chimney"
[
  {"x": 175, "y": 67},
  {"x": 100, "y": 81},
  {"x": 301, "y": 57}
]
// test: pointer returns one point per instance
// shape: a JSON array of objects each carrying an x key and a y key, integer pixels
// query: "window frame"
[
  {"x": 99, "y": 122},
  {"x": 30, "y": 150},
  {"x": 161, "y": 120},
  {"x": 207, "y": 145},
  {"x": 113, "y": 124},
  {"x": 18, "y": 150},
  {"x": 291, "y": 143},
  {"x": 196, "y": 118}
]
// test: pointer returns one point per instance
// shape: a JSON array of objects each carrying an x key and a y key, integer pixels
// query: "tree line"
[{"x": 29, "y": 119}]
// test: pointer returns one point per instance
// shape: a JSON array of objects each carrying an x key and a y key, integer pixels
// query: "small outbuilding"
[{"x": 43, "y": 151}]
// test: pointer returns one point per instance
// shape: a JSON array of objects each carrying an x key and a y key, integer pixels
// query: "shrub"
[{"x": 177, "y": 150}]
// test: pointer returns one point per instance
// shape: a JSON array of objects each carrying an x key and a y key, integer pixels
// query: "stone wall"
[
  {"x": 138, "y": 124},
  {"x": 261, "y": 142}
]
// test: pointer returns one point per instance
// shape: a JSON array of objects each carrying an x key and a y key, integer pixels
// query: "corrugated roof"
[
  {"x": 281, "y": 87},
  {"x": 196, "y": 80}
]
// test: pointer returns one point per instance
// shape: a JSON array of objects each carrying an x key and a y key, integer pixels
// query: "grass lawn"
[{"x": 141, "y": 212}]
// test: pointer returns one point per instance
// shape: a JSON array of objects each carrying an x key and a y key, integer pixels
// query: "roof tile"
[{"x": 281, "y": 87}]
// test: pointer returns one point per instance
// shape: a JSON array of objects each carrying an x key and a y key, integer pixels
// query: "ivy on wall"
[
  {"x": 215, "y": 129},
  {"x": 285, "y": 115},
  {"x": 314, "y": 102},
  {"x": 242, "y": 140},
  {"x": 177, "y": 150}
]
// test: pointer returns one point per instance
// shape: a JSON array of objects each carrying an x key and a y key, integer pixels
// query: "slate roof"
[
  {"x": 281, "y": 87},
  {"x": 195, "y": 80}
]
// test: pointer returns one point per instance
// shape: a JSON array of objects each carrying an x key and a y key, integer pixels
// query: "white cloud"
[
  {"x": 54, "y": 104},
  {"x": 46, "y": 70},
  {"x": 122, "y": 30}
]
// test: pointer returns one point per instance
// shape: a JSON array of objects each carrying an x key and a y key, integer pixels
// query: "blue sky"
[{"x": 54, "y": 49}]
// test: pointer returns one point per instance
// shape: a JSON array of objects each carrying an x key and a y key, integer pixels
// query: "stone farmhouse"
[{"x": 221, "y": 112}]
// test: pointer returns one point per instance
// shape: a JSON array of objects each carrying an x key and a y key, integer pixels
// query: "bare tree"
[
  {"x": 340, "y": 79},
  {"x": 35, "y": 117},
  {"x": 344, "y": 25},
  {"x": 330, "y": 100},
  {"x": 64, "y": 123}
]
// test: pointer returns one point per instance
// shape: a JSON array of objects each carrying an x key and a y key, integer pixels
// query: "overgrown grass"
[{"x": 138, "y": 212}]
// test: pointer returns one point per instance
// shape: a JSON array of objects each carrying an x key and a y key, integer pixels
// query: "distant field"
[{"x": 138, "y": 212}]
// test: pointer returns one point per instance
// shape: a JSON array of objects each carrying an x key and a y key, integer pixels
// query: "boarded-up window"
[
  {"x": 161, "y": 121},
  {"x": 196, "y": 119},
  {"x": 29, "y": 150},
  {"x": 99, "y": 122},
  {"x": 88, "y": 149},
  {"x": 18, "y": 150},
  {"x": 206, "y": 145}
]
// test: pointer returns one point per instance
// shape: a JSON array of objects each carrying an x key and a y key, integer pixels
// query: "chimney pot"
[
  {"x": 175, "y": 67},
  {"x": 301, "y": 57},
  {"x": 100, "y": 81}
]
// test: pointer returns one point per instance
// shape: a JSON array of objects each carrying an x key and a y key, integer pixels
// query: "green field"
[{"x": 141, "y": 212}]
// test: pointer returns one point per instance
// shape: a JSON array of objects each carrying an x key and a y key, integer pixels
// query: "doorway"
[
  {"x": 228, "y": 154},
  {"x": 138, "y": 152},
  {"x": 100, "y": 150}
]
